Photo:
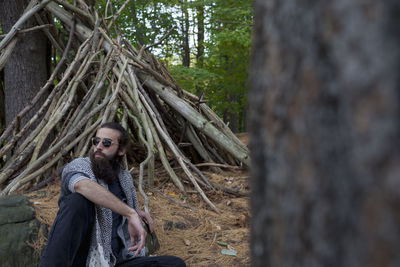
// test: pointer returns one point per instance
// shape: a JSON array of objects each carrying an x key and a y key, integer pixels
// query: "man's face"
[{"x": 100, "y": 151}]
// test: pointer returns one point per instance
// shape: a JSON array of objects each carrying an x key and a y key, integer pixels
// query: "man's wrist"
[{"x": 132, "y": 214}]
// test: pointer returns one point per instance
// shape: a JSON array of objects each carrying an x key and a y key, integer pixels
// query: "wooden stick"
[
  {"x": 115, "y": 92},
  {"x": 212, "y": 164},
  {"x": 141, "y": 166},
  {"x": 6, "y": 52},
  {"x": 14, "y": 30},
  {"x": 76, "y": 10},
  {"x": 171, "y": 199},
  {"x": 35, "y": 28},
  {"x": 54, "y": 41},
  {"x": 156, "y": 43}
]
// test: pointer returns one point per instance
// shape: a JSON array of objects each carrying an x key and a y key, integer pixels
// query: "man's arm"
[{"x": 102, "y": 197}]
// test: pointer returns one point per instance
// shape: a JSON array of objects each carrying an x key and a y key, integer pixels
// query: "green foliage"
[
  {"x": 144, "y": 22},
  {"x": 193, "y": 79},
  {"x": 223, "y": 72},
  {"x": 229, "y": 51}
]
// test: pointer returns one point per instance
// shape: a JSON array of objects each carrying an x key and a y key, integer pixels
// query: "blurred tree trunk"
[
  {"x": 325, "y": 132},
  {"x": 27, "y": 68}
]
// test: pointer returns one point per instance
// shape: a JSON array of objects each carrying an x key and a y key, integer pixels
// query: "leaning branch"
[{"x": 14, "y": 30}]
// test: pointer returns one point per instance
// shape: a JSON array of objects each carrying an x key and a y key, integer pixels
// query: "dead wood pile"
[{"x": 102, "y": 77}]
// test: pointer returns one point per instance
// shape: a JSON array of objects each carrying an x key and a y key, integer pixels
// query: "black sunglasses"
[{"x": 107, "y": 142}]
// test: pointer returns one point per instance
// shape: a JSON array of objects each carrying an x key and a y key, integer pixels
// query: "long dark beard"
[{"x": 104, "y": 168}]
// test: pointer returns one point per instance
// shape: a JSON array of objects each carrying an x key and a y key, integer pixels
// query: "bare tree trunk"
[
  {"x": 185, "y": 33},
  {"x": 232, "y": 119},
  {"x": 325, "y": 131},
  {"x": 200, "y": 40},
  {"x": 27, "y": 68},
  {"x": 138, "y": 28},
  {"x": 244, "y": 118},
  {"x": 200, "y": 34}
]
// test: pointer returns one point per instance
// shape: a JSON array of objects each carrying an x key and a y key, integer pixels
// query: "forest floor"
[{"x": 194, "y": 233}]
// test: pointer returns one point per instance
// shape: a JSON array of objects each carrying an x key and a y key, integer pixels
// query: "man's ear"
[{"x": 121, "y": 151}]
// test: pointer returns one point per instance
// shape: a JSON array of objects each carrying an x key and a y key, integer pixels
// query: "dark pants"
[
  {"x": 154, "y": 261},
  {"x": 69, "y": 240}
]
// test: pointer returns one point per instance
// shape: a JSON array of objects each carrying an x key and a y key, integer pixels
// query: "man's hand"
[
  {"x": 146, "y": 217},
  {"x": 136, "y": 232}
]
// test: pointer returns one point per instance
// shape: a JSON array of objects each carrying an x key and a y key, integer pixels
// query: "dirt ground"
[
  {"x": 195, "y": 233},
  {"x": 207, "y": 232}
]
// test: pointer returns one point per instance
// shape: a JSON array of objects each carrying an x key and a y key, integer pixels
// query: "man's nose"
[{"x": 99, "y": 146}]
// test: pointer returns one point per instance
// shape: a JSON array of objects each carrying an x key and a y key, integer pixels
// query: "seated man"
[{"x": 99, "y": 223}]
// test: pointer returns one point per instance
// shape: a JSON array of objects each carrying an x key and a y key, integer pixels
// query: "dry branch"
[{"x": 14, "y": 30}]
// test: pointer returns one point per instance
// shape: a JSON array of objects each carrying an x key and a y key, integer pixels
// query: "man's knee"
[
  {"x": 71, "y": 229},
  {"x": 179, "y": 262},
  {"x": 172, "y": 261},
  {"x": 78, "y": 205}
]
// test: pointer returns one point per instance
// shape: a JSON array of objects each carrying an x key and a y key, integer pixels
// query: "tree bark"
[
  {"x": 135, "y": 23},
  {"x": 2, "y": 105},
  {"x": 185, "y": 35},
  {"x": 200, "y": 34},
  {"x": 325, "y": 131},
  {"x": 230, "y": 116},
  {"x": 27, "y": 68}
]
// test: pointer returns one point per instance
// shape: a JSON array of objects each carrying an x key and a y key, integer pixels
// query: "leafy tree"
[
  {"x": 229, "y": 49},
  {"x": 145, "y": 22}
]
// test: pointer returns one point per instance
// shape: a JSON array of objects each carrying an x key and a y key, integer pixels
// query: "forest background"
[{"x": 205, "y": 46}]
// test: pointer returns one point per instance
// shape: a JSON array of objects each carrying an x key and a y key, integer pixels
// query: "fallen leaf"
[
  {"x": 229, "y": 252},
  {"x": 222, "y": 243},
  {"x": 187, "y": 242}
]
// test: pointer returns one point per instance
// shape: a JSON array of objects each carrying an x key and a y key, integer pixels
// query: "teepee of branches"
[{"x": 101, "y": 78}]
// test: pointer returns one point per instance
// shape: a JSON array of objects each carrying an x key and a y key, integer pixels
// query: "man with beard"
[{"x": 99, "y": 223}]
